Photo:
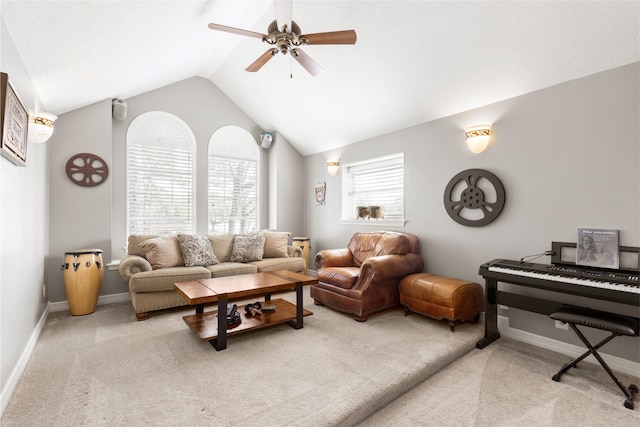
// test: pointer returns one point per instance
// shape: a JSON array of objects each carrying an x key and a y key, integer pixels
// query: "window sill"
[{"x": 375, "y": 222}]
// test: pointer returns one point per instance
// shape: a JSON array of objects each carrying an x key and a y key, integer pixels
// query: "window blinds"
[
  {"x": 160, "y": 190},
  {"x": 378, "y": 182},
  {"x": 233, "y": 195}
]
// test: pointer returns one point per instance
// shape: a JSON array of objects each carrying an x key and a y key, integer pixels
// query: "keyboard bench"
[{"x": 616, "y": 324}]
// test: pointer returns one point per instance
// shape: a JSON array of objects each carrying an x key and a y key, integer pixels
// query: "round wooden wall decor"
[
  {"x": 87, "y": 170},
  {"x": 474, "y": 197}
]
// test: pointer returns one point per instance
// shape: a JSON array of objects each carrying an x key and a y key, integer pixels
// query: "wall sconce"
[
  {"x": 44, "y": 126},
  {"x": 333, "y": 167},
  {"x": 478, "y": 138}
]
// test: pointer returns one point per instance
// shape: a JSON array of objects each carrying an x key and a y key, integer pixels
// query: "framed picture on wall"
[
  {"x": 14, "y": 123},
  {"x": 321, "y": 189}
]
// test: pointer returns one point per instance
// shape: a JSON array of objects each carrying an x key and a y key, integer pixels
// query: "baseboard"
[
  {"x": 20, "y": 367},
  {"x": 615, "y": 363},
  {"x": 102, "y": 300}
]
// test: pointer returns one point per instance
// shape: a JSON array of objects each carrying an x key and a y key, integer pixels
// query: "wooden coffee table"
[{"x": 213, "y": 328}]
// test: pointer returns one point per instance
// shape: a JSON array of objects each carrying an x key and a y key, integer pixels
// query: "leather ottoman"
[{"x": 441, "y": 297}]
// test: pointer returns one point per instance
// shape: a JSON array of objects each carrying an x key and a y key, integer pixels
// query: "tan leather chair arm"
[
  {"x": 334, "y": 258},
  {"x": 386, "y": 267}
]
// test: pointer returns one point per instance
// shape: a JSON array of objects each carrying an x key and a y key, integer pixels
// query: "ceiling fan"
[{"x": 285, "y": 37}]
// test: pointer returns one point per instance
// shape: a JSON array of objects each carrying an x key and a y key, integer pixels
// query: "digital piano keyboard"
[
  {"x": 607, "y": 285},
  {"x": 611, "y": 280}
]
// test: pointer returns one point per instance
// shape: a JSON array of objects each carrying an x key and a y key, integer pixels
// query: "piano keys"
[
  {"x": 616, "y": 286},
  {"x": 612, "y": 280}
]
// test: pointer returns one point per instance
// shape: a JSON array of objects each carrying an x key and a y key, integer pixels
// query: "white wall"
[
  {"x": 568, "y": 157},
  {"x": 24, "y": 226}
]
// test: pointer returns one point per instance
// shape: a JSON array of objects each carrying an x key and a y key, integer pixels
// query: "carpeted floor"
[
  {"x": 108, "y": 369},
  {"x": 509, "y": 384}
]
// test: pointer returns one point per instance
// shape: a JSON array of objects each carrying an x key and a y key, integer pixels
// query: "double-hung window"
[
  {"x": 373, "y": 191},
  {"x": 160, "y": 175}
]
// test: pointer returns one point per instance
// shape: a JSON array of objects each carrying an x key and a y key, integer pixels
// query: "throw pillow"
[
  {"x": 196, "y": 250},
  {"x": 222, "y": 245},
  {"x": 133, "y": 245},
  {"x": 162, "y": 252},
  {"x": 275, "y": 244},
  {"x": 247, "y": 247}
]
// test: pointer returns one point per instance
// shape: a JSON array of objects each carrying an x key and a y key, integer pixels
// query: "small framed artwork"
[
  {"x": 321, "y": 189},
  {"x": 14, "y": 123}
]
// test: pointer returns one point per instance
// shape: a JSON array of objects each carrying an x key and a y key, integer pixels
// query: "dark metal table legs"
[{"x": 220, "y": 342}]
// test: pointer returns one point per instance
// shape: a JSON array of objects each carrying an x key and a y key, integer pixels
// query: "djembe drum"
[{"x": 83, "y": 272}]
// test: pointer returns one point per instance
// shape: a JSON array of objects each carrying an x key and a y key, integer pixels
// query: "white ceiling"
[{"x": 414, "y": 61}]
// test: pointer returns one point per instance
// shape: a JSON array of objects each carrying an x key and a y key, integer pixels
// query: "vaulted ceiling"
[{"x": 414, "y": 61}]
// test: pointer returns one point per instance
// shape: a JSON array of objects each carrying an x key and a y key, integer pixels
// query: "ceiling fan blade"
[
  {"x": 264, "y": 58},
  {"x": 305, "y": 60},
  {"x": 333, "y": 37},
  {"x": 283, "y": 12},
  {"x": 234, "y": 30}
]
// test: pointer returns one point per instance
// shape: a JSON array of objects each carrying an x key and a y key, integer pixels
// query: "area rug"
[{"x": 106, "y": 368}]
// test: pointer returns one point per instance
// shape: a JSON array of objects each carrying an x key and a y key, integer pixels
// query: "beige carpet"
[
  {"x": 108, "y": 369},
  {"x": 509, "y": 384}
]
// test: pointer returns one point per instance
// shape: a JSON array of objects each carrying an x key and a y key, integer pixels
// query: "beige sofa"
[{"x": 155, "y": 263}]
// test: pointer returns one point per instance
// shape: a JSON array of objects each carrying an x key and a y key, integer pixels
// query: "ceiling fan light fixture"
[{"x": 288, "y": 38}]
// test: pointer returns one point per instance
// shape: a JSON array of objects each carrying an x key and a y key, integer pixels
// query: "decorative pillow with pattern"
[
  {"x": 196, "y": 250},
  {"x": 247, "y": 247}
]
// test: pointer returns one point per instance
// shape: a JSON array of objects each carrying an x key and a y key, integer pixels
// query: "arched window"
[
  {"x": 160, "y": 175},
  {"x": 233, "y": 181}
]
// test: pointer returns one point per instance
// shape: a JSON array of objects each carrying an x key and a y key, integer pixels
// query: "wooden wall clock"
[{"x": 87, "y": 170}]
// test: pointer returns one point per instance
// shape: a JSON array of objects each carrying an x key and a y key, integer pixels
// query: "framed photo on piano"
[
  {"x": 565, "y": 253},
  {"x": 598, "y": 248}
]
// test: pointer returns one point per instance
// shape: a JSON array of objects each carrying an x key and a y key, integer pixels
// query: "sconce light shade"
[
  {"x": 333, "y": 167},
  {"x": 478, "y": 138},
  {"x": 266, "y": 138},
  {"x": 44, "y": 126}
]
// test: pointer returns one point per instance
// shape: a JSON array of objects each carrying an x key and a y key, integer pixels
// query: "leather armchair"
[{"x": 363, "y": 277}]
